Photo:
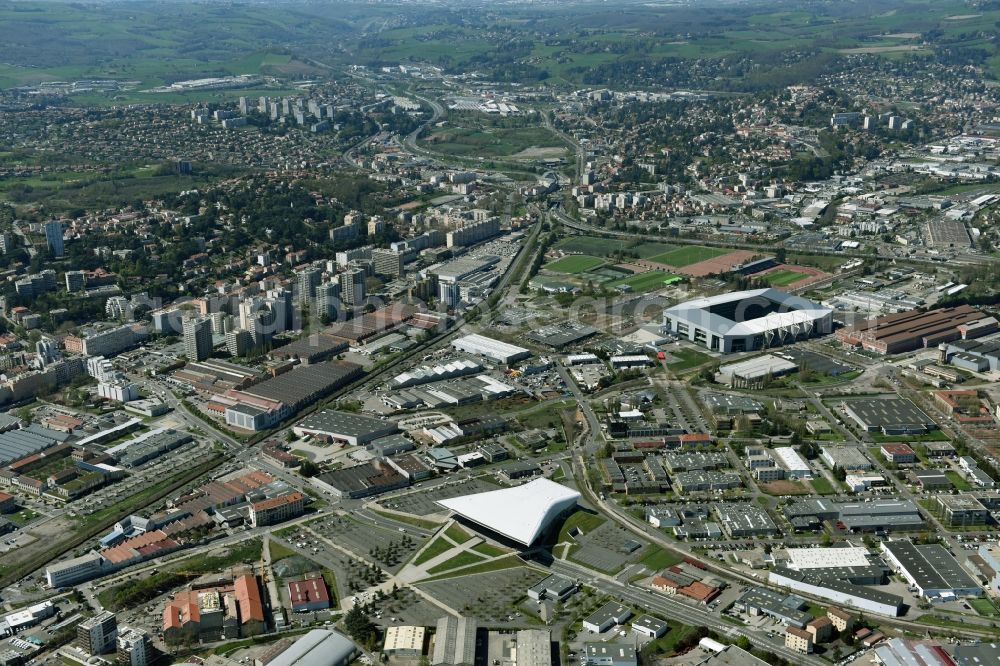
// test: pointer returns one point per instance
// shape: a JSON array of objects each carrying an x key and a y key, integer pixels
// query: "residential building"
[
  {"x": 54, "y": 237},
  {"x": 352, "y": 286},
  {"x": 96, "y": 635},
  {"x": 799, "y": 640},
  {"x": 197, "y": 339},
  {"x": 134, "y": 648}
]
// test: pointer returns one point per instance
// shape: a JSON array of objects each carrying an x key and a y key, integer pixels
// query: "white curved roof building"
[
  {"x": 319, "y": 647},
  {"x": 747, "y": 320},
  {"x": 520, "y": 513}
]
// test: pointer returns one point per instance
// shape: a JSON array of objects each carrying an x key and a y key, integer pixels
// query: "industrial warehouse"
[
  {"x": 747, "y": 320},
  {"x": 913, "y": 329},
  {"x": 932, "y": 571},
  {"x": 890, "y": 416}
]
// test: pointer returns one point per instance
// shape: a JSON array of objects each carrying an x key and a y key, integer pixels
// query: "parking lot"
[
  {"x": 490, "y": 597},
  {"x": 423, "y": 502},
  {"x": 390, "y": 548},
  {"x": 605, "y": 549}
]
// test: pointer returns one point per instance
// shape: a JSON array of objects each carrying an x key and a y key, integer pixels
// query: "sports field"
[
  {"x": 687, "y": 255},
  {"x": 782, "y": 277},
  {"x": 642, "y": 282},
  {"x": 593, "y": 245},
  {"x": 574, "y": 263}
]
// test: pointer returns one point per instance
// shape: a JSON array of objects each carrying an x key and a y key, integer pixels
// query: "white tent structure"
[{"x": 520, "y": 513}]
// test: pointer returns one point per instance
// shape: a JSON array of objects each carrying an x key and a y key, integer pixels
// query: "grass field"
[
  {"x": 651, "y": 249},
  {"x": 689, "y": 358},
  {"x": 656, "y": 558},
  {"x": 641, "y": 282},
  {"x": 574, "y": 263},
  {"x": 436, "y": 547},
  {"x": 957, "y": 481},
  {"x": 783, "y": 277},
  {"x": 463, "y": 559},
  {"x": 583, "y": 521},
  {"x": 488, "y": 550},
  {"x": 591, "y": 245},
  {"x": 822, "y": 486},
  {"x": 984, "y": 607},
  {"x": 457, "y": 534},
  {"x": 492, "y": 565},
  {"x": 687, "y": 255}
]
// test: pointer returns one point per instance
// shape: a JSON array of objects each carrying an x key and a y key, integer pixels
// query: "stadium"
[{"x": 747, "y": 320}]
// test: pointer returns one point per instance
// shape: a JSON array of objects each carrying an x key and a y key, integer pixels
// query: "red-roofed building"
[
  {"x": 308, "y": 595},
  {"x": 8, "y": 503},
  {"x": 233, "y": 611},
  {"x": 251, "y": 609},
  {"x": 699, "y": 591}
]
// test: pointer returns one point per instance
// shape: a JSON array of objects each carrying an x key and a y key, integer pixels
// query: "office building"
[
  {"x": 277, "y": 509},
  {"x": 197, "y": 339},
  {"x": 610, "y": 654},
  {"x": 405, "y": 640},
  {"x": 607, "y": 616},
  {"x": 961, "y": 510},
  {"x": 96, "y": 635},
  {"x": 54, "y": 237}
]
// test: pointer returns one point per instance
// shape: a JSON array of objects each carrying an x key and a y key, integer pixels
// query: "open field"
[
  {"x": 782, "y": 278},
  {"x": 641, "y": 282},
  {"x": 574, "y": 263},
  {"x": 687, "y": 255},
  {"x": 593, "y": 43},
  {"x": 784, "y": 487},
  {"x": 491, "y": 141}
]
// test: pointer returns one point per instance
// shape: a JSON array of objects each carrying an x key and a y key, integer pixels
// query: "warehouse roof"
[
  {"x": 930, "y": 565},
  {"x": 882, "y": 412},
  {"x": 302, "y": 384},
  {"x": 347, "y": 424},
  {"x": 520, "y": 513}
]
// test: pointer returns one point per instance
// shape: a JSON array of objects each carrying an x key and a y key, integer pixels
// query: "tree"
[{"x": 308, "y": 469}]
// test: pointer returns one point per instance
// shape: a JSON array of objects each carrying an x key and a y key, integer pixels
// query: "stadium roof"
[
  {"x": 755, "y": 311},
  {"x": 520, "y": 513}
]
